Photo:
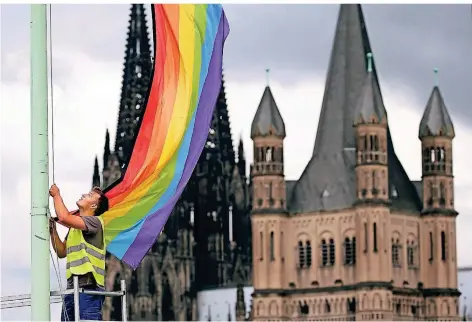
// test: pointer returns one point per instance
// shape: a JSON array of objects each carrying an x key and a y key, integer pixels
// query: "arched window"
[
  {"x": 411, "y": 254},
  {"x": 374, "y": 182},
  {"x": 374, "y": 231},
  {"x": 354, "y": 252},
  {"x": 269, "y": 154},
  {"x": 282, "y": 245},
  {"x": 324, "y": 253},
  {"x": 426, "y": 155},
  {"x": 373, "y": 142},
  {"x": 431, "y": 246},
  {"x": 308, "y": 253},
  {"x": 443, "y": 245},
  {"x": 332, "y": 252},
  {"x": 349, "y": 251},
  {"x": 301, "y": 254},
  {"x": 272, "y": 250},
  {"x": 261, "y": 237},
  {"x": 396, "y": 252},
  {"x": 432, "y": 155}
]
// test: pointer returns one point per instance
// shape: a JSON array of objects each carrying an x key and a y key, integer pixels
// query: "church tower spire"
[
  {"x": 269, "y": 193},
  {"x": 241, "y": 159},
  {"x": 436, "y": 132},
  {"x": 136, "y": 77},
  {"x": 335, "y": 144},
  {"x": 370, "y": 121},
  {"x": 106, "y": 151},
  {"x": 96, "y": 174},
  {"x": 372, "y": 182}
]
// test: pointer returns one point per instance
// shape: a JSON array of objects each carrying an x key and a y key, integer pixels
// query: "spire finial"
[
  {"x": 436, "y": 78},
  {"x": 267, "y": 76},
  {"x": 369, "y": 62}
]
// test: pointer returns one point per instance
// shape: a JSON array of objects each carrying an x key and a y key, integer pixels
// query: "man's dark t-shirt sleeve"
[{"x": 93, "y": 225}]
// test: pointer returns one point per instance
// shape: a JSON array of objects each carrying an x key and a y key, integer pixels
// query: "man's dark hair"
[{"x": 102, "y": 204}]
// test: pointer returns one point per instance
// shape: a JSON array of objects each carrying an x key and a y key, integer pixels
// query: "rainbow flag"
[{"x": 186, "y": 80}]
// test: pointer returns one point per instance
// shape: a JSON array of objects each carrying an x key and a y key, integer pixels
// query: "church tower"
[
  {"x": 372, "y": 211},
  {"x": 436, "y": 133},
  {"x": 136, "y": 77},
  {"x": 269, "y": 205}
]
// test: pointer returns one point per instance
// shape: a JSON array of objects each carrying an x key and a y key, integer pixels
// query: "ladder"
[{"x": 9, "y": 302}]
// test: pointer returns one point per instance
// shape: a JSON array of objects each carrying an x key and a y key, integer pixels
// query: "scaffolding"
[{"x": 14, "y": 301}]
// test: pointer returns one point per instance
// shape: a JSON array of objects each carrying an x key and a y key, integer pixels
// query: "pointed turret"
[
  {"x": 370, "y": 108},
  {"x": 136, "y": 77},
  {"x": 436, "y": 120},
  {"x": 268, "y": 134},
  {"x": 334, "y": 152},
  {"x": 241, "y": 159},
  {"x": 96, "y": 174},
  {"x": 436, "y": 132},
  {"x": 267, "y": 120},
  {"x": 107, "y": 151},
  {"x": 370, "y": 122},
  {"x": 268, "y": 190}
]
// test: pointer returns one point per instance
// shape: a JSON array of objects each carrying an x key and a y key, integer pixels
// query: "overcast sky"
[{"x": 294, "y": 41}]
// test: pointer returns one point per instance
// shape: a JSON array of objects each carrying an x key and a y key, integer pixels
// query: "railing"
[{"x": 14, "y": 301}]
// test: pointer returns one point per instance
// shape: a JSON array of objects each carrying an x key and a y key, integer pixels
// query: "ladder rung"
[
  {"x": 57, "y": 294},
  {"x": 26, "y": 302},
  {"x": 85, "y": 291}
]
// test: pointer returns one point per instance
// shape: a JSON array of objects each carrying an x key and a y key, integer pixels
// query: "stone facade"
[{"x": 354, "y": 238}]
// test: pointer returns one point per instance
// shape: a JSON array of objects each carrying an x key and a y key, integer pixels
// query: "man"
[{"x": 84, "y": 247}]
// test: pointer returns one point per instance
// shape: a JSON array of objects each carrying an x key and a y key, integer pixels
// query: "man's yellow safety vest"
[{"x": 83, "y": 258}]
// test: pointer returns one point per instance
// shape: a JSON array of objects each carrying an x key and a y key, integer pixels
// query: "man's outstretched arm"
[
  {"x": 65, "y": 217},
  {"x": 59, "y": 246}
]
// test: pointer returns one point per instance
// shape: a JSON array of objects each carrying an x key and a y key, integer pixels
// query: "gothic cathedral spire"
[
  {"x": 136, "y": 77},
  {"x": 96, "y": 174}
]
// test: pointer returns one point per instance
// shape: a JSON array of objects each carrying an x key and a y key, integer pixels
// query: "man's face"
[{"x": 89, "y": 200}]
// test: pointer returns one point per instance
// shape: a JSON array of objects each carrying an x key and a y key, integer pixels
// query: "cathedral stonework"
[
  {"x": 354, "y": 238},
  {"x": 197, "y": 250}
]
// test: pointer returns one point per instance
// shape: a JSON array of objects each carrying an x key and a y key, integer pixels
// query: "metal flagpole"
[{"x": 40, "y": 287}]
